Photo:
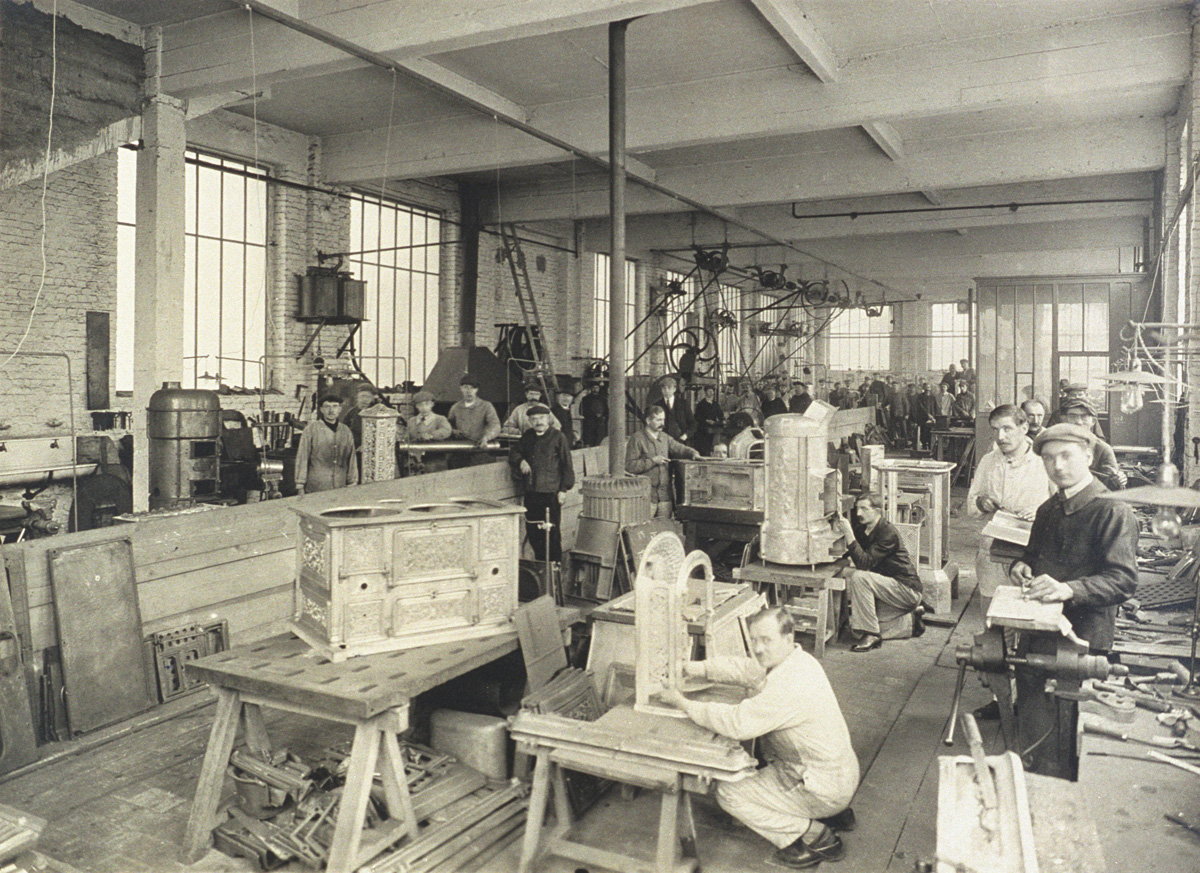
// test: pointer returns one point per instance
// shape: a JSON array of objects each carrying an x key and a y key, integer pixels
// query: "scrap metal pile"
[{"x": 284, "y": 810}]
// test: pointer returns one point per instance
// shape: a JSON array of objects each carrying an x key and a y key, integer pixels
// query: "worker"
[
  {"x": 1035, "y": 416},
  {"x": 1077, "y": 410},
  {"x": 541, "y": 463},
  {"x": 1011, "y": 477},
  {"x": 884, "y": 583},
  {"x": 561, "y": 410},
  {"x": 962, "y": 410},
  {"x": 649, "y": 452},
  {"x": 709, "y": 421},
  {"x": 801, "y": 798},
  {"x": 426, "y": 427},
  {"x": 518, "y": 420},
  {"x": 800, "y": 400},
  {"x": 680, "y": 422},
  {"x": 772, "y": 403},
  {"x": 1082, "y": 553},
  {"x": 474, "y": 419},
  {"x": 365, "y": 396},
  {"x": 325, "y": 454},
  {"x": 593, "y": 410}
]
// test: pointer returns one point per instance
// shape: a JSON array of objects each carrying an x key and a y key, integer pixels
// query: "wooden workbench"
[
  {"x": 669, "y": 755},
  {"x": 371, "y": 693},
  {"x": 822, "y": 580}
]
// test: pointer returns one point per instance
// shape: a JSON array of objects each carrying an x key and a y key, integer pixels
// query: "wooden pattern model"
[
  {"x": 391, "y": 576},
  {"x": 661, "y": 591}
]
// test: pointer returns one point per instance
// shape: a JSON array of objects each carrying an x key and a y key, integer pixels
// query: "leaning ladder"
[{"x": 515, "y": 255}]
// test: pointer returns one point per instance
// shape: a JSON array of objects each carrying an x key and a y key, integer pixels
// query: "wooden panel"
[
  {"x": 97, "y": 365},
  {"x": 100, "y": 633},
  {"x": 18, "y": 746}
]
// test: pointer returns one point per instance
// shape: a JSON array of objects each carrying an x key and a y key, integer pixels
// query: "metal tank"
[
  {"x": 802, "y": 489},
  {"x": 183, "y": 426}
]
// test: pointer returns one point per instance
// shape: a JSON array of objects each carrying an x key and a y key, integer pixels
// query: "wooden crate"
[{"x": 382, "y": 576}]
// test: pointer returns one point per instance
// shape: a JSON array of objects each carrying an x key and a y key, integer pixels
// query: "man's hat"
[
  {"x": 1071, "y": 433},
  {"x": 1080, "y": 404},
  {"x": 538, "y": 409},
  {"x": 422, "y": 396},
  {"x": 468, "y": 379}
]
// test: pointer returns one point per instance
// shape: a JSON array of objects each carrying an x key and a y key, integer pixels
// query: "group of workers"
[{"x": 1081, "y": 553}]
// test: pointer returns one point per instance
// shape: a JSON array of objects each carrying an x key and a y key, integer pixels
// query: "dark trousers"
[{"x": 544, "y": 506}]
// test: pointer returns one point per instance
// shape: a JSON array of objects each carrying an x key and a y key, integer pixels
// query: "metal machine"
[{"x": 184, "y": 428}]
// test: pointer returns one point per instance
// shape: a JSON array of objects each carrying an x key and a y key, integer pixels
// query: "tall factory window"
[
  {"x": 859, "y": 342},
  {"x": 601, "y": 309},
  {"x": 225, "y": 294},
  {"x": 225, "y": 271},
  {"x": 950, "y": 335},
  {"x": 399, "y": 257},
  {"x": 126, "y": 231}
]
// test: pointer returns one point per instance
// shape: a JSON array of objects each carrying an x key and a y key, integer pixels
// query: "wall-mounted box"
[{"x": 389, "y": 575}]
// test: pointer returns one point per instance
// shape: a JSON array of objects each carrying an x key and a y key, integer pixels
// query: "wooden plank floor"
[{"x": 123, "y": 805}]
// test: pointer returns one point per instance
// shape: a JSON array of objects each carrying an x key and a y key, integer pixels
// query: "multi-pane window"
[
  {"x": 398, "y": 255},
  {"x": 225, "y": 295},
  {"x": 601, "y": 308},
  {"x": 729, "y": 347},
  {"x": 859, "y": 342},
  {"x": 225, "y": 268},
  {"x": 950, "y": 334}
]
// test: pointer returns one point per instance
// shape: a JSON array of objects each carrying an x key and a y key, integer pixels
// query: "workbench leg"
[
  {"x": 257, "y": 740},
  {"x": 347, "y": 834},
  {"x": 687, "y": 838},
  {"x": 668, "y": 832},
  {"x": 203, "y": 816},
  {"x": 822, "y": 623},
  {"x": 395, "y": 784},
  {"x": 536, "y": 815},
  {"x": 562, "y": 802}
]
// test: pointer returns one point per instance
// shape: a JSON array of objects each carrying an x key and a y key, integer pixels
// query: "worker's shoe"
[
  {"x": 845, "y": 821},
  {"x": 988, "y": 712},
  {"x": 827, "y": 846},
  {"x": 918, "y": 620},
  {"x": 867, "y": 643}
]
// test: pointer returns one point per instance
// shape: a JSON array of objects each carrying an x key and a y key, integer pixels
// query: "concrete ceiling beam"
[{"x": 794, "y": 28}]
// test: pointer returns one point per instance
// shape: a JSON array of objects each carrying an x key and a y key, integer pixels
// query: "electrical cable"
[{"x": 45, "y": 184}]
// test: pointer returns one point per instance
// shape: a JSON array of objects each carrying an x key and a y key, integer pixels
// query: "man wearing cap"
[
  {"x": 1104, "y": 461},
  {"x": 1082, "y": 553},
  {"x": 541, "y": 462},
  {"x": 325, "y": 453},
  {"x": 1035, "y": 416},
  {"x": 649, "y": 452},
  {"x": 519, "y": 420},
  {"x": 474, "y": 419},
  {"x": 593, "y": 410},
  {"x": 426, "y": 427}
]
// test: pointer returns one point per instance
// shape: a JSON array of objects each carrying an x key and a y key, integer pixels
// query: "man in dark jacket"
[
  {"x": 884, "y": 582},
  {"x": 800, "y": 400},
  {"x": 541, "y": 460},
  {"x": 1082, "y": 553},
  {"x": 680, "y": 423}
]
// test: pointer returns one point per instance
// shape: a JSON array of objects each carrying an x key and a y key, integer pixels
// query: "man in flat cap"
[
  {"x": 541, "y": 465},
  {"x": 474, "y": 419},
  {"x": 1104, "y": 460},
  {"x": 1082, "y": 553}
]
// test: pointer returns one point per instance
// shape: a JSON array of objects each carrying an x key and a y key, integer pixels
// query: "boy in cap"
[
  {"x": 1082, "y": 553},
  {"x": 426, "y": 427},
  {"x": 1104, "y": 460},
  {"x": 325, "y": 455},
  {"x": 518, "y": 420},
  {"x": 541, "y": 462},
  {"x": 474, "y": 419}
]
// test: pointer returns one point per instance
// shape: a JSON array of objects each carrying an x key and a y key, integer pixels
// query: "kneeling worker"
[
  {"x": 802, "y": 796},
  {"x": 884, "y": 582}
]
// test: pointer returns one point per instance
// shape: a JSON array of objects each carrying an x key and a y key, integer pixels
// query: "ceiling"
[{"x": 762, "y": 108}]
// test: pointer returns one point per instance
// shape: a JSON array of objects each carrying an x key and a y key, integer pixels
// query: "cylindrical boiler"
[
  {"x": 802, "y": 489},
  {"x": 183, "y": 426}
]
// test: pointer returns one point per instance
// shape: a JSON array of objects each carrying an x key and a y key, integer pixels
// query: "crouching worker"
[
  {"x": 884, "y": 584},
  {"x": 801, "y": 797}
]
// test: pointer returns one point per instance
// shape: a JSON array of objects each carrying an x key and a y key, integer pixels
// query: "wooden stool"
[{"x": 821, "y": 582}]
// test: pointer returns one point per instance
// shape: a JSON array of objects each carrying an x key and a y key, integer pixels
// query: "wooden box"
[
  {"x": 724, "y": 484},
  {"x": 389, "y": 576}
]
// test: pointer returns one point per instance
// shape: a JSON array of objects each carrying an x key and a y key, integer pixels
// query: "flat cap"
[
  {"x": 538, "y": 409},
  {"x": 468, "y": 379},
  {"x": 422, "y": 396},
  {"x": 1078, "y": 403},
  {"x": 1071, "y": 433}
]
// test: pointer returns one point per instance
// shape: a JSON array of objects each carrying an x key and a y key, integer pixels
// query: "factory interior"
[{"x": 599, "y": 435}]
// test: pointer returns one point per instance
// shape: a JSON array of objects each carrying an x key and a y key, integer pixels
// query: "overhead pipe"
[
  {"x": 1011, "y": 207},
  {"x": 616, "y": 270}
]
